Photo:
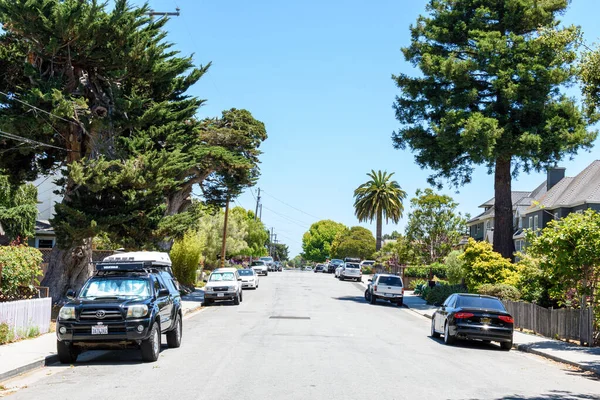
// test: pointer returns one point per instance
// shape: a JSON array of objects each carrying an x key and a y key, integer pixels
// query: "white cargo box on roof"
[{"x": 141, "y": 256}]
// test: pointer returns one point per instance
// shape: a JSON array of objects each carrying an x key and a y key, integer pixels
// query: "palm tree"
[{"x": 379, "y": 197}]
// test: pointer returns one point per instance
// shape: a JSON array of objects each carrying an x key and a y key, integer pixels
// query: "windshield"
[
  {"x": 480, "y": 302},
  {"x": 257, "y": 263},
  {"x": 349, "y": 265},
  {"x": 390, "y": 281},
  {"x": 337, "y": 261},
  {"x": 116, "y": 287},
  {"x": 222, "y": 276},
  {"x": 246, "y": 272},
  {"x": 267, "y": 258},
  {"x": 368, "y": 262}
]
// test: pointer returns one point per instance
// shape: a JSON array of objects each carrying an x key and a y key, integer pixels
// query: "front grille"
[
  {"x": 86, "y": 330},
  {"x": 101, "y": 314},
  {"x": 221, "y": 289}
]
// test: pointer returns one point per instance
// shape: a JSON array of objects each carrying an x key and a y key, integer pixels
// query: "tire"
[
  {"x": 373, "y": 299},
  {"x": 241, "y": 296},
  {"x": 434, "y": 334},
  {"x": 266, "y": 274},
  {"x": 342, "y": 278},
  {"x": 67, "y": 353},
  {"x": 207, "y": 302},
  {"x": 150, "y": 347},
  {"x": 506, "y": 346},
  {"x": 448, "y": 338},
  {"x": 400, "y": 303},
  {"x": 174, "y": 335},
  {"x": 367, "y": 295},
  {"x": 236, "y": 300}
]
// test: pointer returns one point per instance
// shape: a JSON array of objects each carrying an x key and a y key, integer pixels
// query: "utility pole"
[
  {"x": 260, "y": 216},
  {"x": 153, "y": 13},
  {"x": 224, "y": 243},
  {"x": 271, "y": 242},
  {"x": 257, "y": 204}
]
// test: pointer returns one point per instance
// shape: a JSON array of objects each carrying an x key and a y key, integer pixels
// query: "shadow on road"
[
  {"x": 469, "y": 344},
  {"x": 356, "y": 299},
  {"x": 113, "y": 357},
  {"x": 552, "y": 395}
]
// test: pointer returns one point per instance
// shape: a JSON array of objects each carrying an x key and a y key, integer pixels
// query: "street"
[{"x": 303, "y": 335}]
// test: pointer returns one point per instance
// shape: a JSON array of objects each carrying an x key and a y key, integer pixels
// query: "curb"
[
  {"x": 527, "y": 348},
  {"x": 53, "y": 358}
]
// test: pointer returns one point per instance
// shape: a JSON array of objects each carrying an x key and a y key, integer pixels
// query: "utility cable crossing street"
[{"x": 305, "y": 335}]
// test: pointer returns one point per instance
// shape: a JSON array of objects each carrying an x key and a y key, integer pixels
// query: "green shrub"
[
  {"x": 20, "y": 266},
  {"x": 6, "y": 334},
  {"x": 454, "y": 267},
  {"x": 422, "y": 272},
  {"x": 367, "y": 270},
  {"x": 439, "y": 293},
  {"x": 185, "y": 256},
  {"x": 501, "y": 291},
  {"x": 483, "y": 265},
  {"x": 413, "y": 284}
]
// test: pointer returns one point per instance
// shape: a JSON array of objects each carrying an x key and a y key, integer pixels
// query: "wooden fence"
[
  {"x": 562, "y": 323},
  {"x": 24, "y": 315}
]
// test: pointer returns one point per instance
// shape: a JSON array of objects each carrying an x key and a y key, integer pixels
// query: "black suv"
[{"x": 124, "y": 305}]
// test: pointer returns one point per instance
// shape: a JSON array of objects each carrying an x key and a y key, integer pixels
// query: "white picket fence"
[{"x": 23, "y": 315}]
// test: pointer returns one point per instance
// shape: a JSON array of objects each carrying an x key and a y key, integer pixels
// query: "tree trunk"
[
  {"x": 68, "y": 269},
  {"x": 378, "y": 233},
  {"x": 503, "y": 220}
]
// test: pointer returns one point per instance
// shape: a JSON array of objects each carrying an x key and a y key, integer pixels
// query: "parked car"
[
  {"x": 223, "y": 284},
  {"x": 260, "y": 267},
  {"x": 473, "y": 316},
  {"x": 385, "y": 287},
  {"x": 279, "y": 266},
  {"x": 338, "y": 270},
  {"x": 333, "y": 265},
  {"x": 249, "y": 278},
  {"x": 308, "y": 268},
  {"x": 352, "y": 260},
  {"x": 271, "y": 267},
  {"x": 351, "y": 271},
  {"x": 319, "y": 268},
  {"x": 367, "y": 263},
  {"x": 129, "y": 302}
]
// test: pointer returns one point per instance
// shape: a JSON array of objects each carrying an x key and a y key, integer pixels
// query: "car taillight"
[
  {"x": 463, "y": 315},
  {"x": 507, "y": 318},
  {"x": 375, "y": 288}
]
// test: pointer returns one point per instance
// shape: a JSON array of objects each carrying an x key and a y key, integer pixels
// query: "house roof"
[
  {"x": 515, "y": 196},
  {"x": 43, "y": 227},
  {"x": 571, "y": 191},
  {"x": 521, "y": 202}
]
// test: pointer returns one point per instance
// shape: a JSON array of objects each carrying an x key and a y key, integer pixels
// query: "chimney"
[{"x": 554, "y": 176}]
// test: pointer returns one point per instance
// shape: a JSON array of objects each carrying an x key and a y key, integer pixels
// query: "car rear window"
[
  {"x": 245, "y": 272},
  {"x": 390, "y": 281},
  {"x": 348, "y": 265},
  {"x": 480, "y": 302},
  {"x": 258, "y": 263}
]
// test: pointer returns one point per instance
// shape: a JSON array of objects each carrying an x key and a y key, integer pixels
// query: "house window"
[
  {"x": 556, "y": 215},
  {"x": 518, "y": 245},
  {"x": 530, "y": 223},
  {"x": 520, "y": 222},
  {"x": 45, "y": 243},
  {"x": 535, "y": 223},
  {"x": 488, "y": 225}
]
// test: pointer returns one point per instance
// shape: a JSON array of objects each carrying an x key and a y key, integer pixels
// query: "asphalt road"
[{"x": 303, "y": 335}]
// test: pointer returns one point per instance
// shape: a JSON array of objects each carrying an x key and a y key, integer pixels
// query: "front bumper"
[
  {"x": 118, "y": 331},
  {"x": 483, "y": 332},
  {"x": 220, "y": 295},
  {"x": 248, "y": 284}
]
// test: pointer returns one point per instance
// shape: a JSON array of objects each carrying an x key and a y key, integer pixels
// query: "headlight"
[
  {"x": 67, "y": 312},
  {"x": 208, "y": 288},
  {"x": 231, "y": 287},
  {"x": 137, "y": 311}
]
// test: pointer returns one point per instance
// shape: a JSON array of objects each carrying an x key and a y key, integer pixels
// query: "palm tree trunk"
[{"x": 379, "y": 228}]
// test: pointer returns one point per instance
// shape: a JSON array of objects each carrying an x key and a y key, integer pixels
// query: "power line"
[
  {"x": 14, "y": 97},
  {"x": 30, "y": 141},
  {"x": 289, "y": 205},
  {"x": 288, "y": 219}
]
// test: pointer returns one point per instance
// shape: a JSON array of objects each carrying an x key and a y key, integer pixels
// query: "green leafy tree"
[
  {"x": 316, "y": 243},
  {"x": 490, "y": 94},
  {"x": 454, "y": 267},
  {"x": 355, "y": 242},
  {"x": 392, "y": 236},
  {"x": 18, "y": 209},
  {"x": 280, "y": 251},
  {"x": 119, "y": 118},
  {"x": 434, "y": 226},
  {"x": 20, "y": 266},
  {"x": 483, "y": 265},
  {"x": 399, "y": 251},
  {"x": 186, "y": 255},
  {"x": 379, "y": 198},
  {"x": 568, "y": 251}
]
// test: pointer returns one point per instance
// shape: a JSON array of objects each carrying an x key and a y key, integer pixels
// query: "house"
[
  {"x": 44, "y": 238},
  {"x": 555, "y": 198}
]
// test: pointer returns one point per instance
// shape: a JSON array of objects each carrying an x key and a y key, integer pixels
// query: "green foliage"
[
  {"x": 367, "y": 270},
  {"x": 19, "y": 266},
  {"x": 379, "y": 198},
  {"x": 439, "y": 293},
  {"x": 280, "y": 251},
  {"x": 437, "y": 270},
  {"x": 501, "y": 291},
  {"x": 186, "y": 255},
  {"x": 18, "y": 209},
  {"x": 417, "y": 284},
  {"x": 401, "y": 251},
  {"x": 357, "y": 242},
  {"x": 568, "y": 253},
  {"x": 316, "y": 243},
  {"x": 7, "y": 335},
  {"x": 434, "y": 226},
  {"x": 454, "y": 267},
  {"x": 211, "y": 225},
  {"x": 490, "y": 91},
  {"x": 483, "y": 265}
]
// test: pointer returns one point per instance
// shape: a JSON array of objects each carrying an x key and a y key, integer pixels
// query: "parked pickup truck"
[{"x": 385, "y": 287}]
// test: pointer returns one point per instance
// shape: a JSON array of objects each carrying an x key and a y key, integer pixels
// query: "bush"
[
  {"x": 483, "y": 265},
  {"x": 367, "y": 270},
  {"x": 454, "y": 267},
  {"x": 501, "y": 291},
  {"x": 422, "y": 272},
  {"x": 185, "y": 256},
  {"x": 20, "y": 266},
  {"x": 413, "y": 284},
  {"x": 439, "y": 293}
]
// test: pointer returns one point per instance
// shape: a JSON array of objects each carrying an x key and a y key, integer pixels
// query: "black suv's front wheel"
[
  {"x": 67, "y": 353},
  {"x": 174, "y": 335},
  {"x": 151, "y": 347}
]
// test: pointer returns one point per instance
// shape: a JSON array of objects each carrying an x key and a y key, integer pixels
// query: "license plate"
[
  {"x": 486, "y": 321},
  {"x": 220, "y": 294},
  {"x": 99, "y": 329}
]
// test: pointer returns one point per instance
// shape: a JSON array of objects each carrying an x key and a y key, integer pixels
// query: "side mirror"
[
  {"x": 71, "y": 294},
  {"x": 205, "y": 280},
  {"x": 370, "y": 280},
  {"x": 163, "y": 292}
]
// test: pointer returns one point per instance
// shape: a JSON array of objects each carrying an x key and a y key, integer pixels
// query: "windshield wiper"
[{"x": 106, "y": 298}]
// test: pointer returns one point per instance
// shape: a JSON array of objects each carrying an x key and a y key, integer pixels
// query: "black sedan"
[{"x": 473, "y": 316}]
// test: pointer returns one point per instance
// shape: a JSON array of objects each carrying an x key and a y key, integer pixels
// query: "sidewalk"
[
  {"x": 586, "y": 358},
  {"x": 26, "y": 355}
]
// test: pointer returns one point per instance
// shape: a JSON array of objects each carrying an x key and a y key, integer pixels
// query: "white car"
[
  {"x": 260, "y": 267},
  {"x": 249, "y": 278},
  {"x": 385, "y": 287},
  {"x": 223, "y": 284},
  {"x": 367, "y": 263},
  {"x": 308, "y": 268},
  {"x": 351, "y": 271},
  {"x": 338, "y": 270}
]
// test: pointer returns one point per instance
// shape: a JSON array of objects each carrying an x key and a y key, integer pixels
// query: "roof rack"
[{"x": 131, "y": 266}]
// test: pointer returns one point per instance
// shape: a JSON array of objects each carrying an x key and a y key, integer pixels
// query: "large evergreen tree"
[
  {"x": 490, "y": 94},
  {"x": 111, "y": 112},
  {"x": 18, "y": 210}
]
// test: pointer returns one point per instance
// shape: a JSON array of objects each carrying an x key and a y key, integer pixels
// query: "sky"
[{"x": 318, "y": 74}]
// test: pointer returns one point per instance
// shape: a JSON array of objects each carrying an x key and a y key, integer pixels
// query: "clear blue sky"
[{"x": 318, "y": 74}]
